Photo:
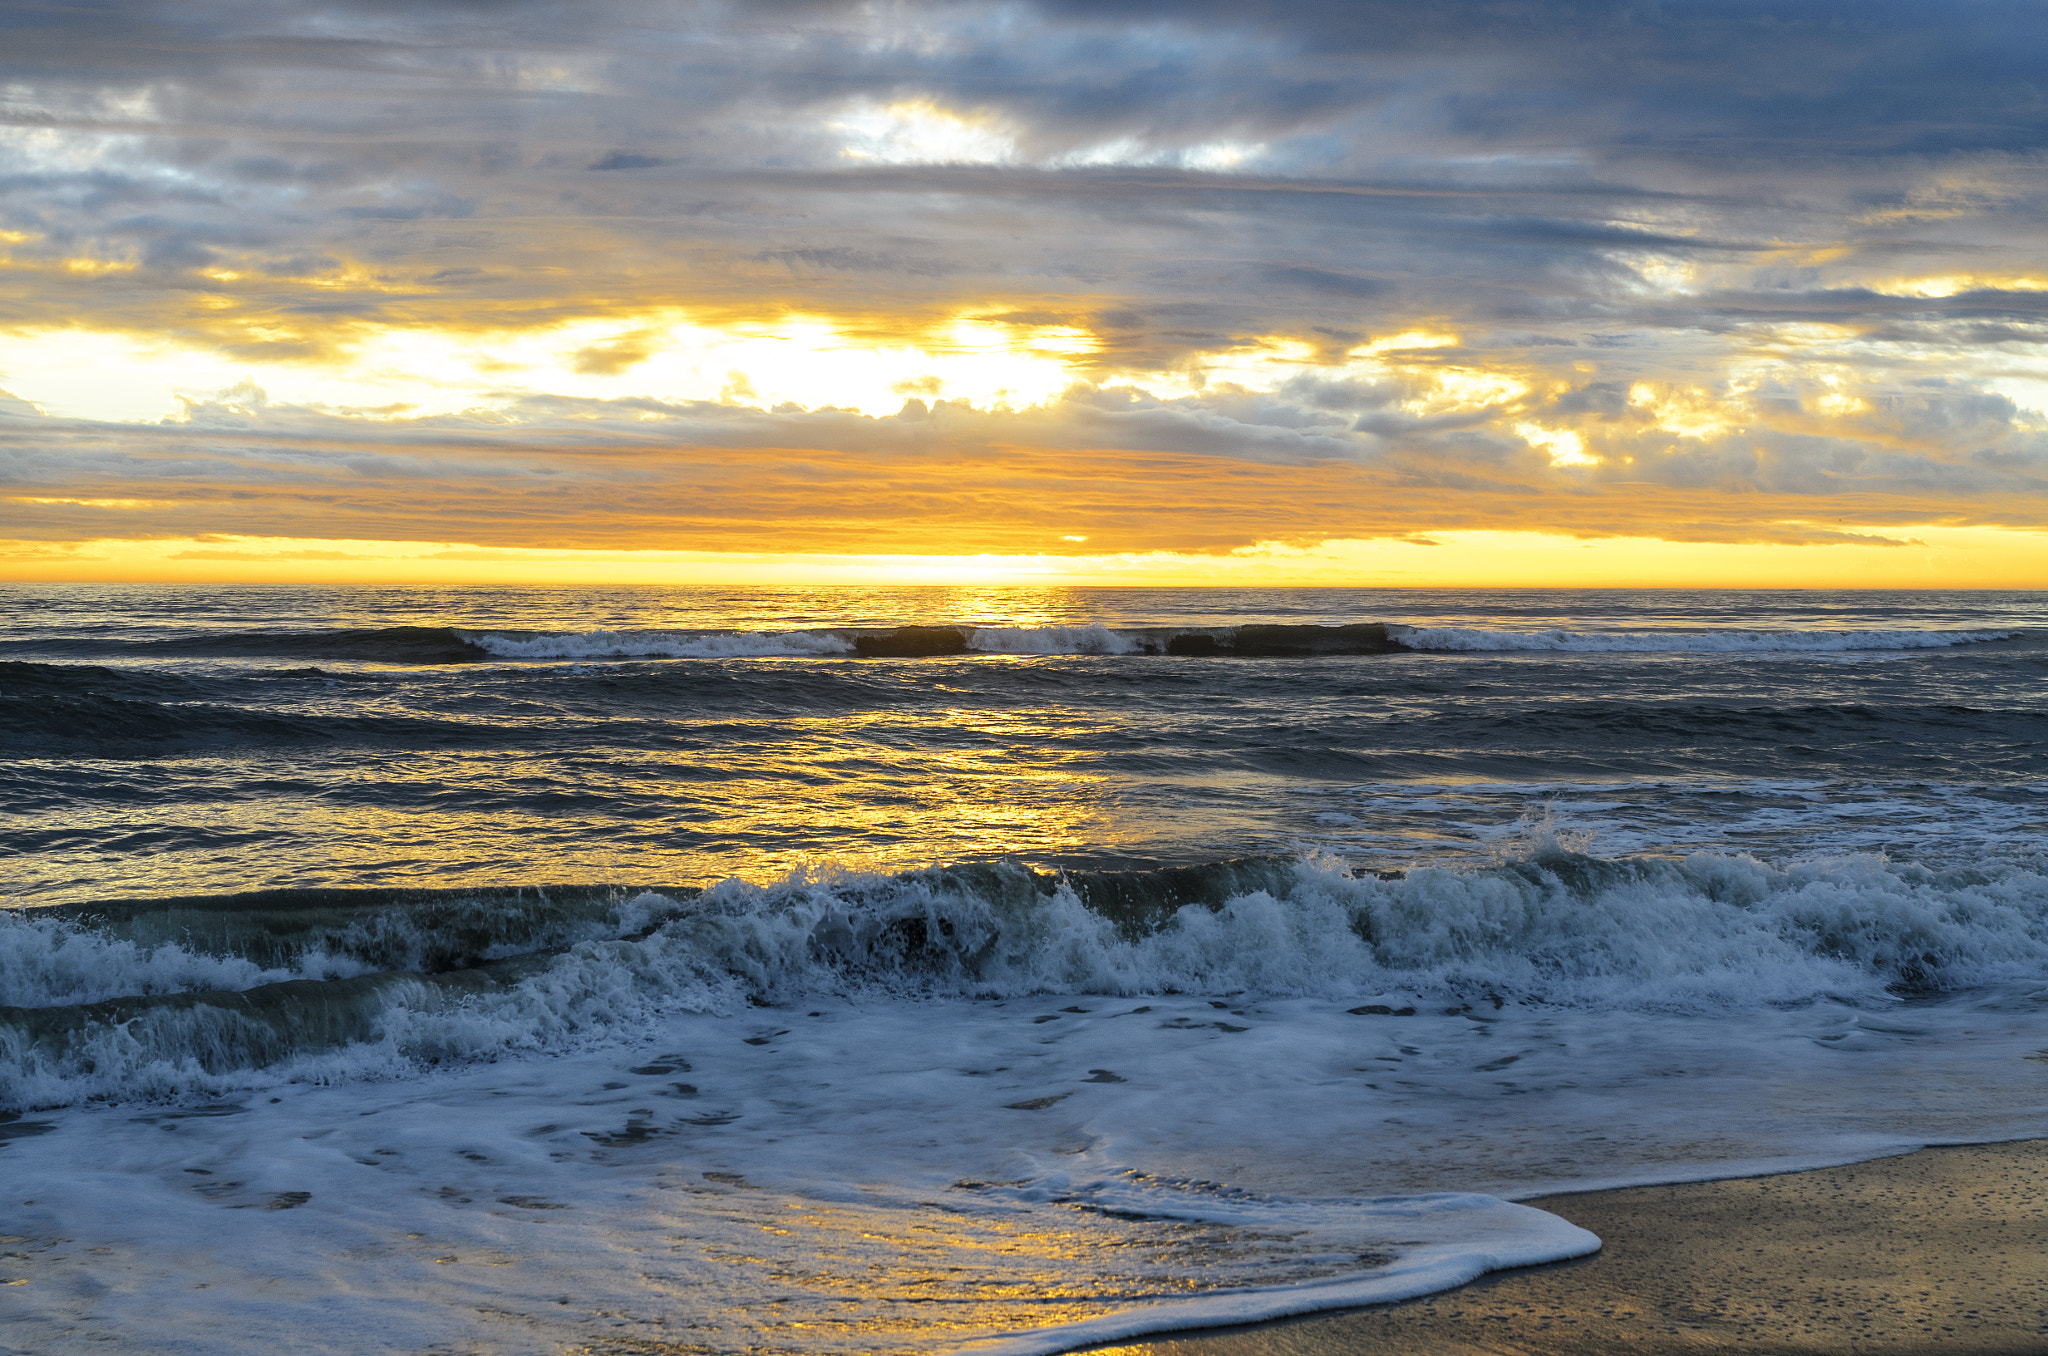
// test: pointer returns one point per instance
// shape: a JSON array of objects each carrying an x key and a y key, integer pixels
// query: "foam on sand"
[{"x": 958, "y": 1108}]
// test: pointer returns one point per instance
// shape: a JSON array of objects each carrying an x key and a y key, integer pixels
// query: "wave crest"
[{"x": 1555, "y": 926}]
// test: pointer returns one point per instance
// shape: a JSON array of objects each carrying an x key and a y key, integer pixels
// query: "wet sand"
[{"x": 1943, "y": 1250}]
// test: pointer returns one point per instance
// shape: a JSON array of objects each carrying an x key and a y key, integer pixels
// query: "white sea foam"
[
  {"x": 662, "y": 644},
  {"x": 1462, "y": 638},
  {"x": 865, "y": 1183},
  {"x": 1016, "y": 1176},
  {"x": 1093, "y": 639},
  {"x": 46, "y": 961},
  {"x": 1712, "y": 933}
]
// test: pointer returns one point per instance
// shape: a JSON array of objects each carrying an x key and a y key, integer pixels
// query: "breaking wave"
[
  {"x": 153, "y": 998},
  {"x": 1096, "y": 639}
]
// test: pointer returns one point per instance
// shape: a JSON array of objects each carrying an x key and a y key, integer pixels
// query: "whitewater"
[{"x": 967, "y": 970}]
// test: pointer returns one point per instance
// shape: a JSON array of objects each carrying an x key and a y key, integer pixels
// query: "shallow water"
[{"x": 917, "y": 970}]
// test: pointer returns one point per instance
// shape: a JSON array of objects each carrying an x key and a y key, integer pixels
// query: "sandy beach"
[{"x": 1941, "y": 1250}]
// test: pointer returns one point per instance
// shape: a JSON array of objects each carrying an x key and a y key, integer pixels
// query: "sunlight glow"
[
  {"x": 1566, "y": 448},
  {"x": 807, "y": 362},
  {"x": 920, "y": 132},
  {"x": 1686, "y": 411},
  {"x": 1406, "y": 340},
  {"x": 925, "y": 132},
  {"x": 1456, "y": 390},
  {"x": 1258, "y": 367},
  {"x": 85, "y": 503},
  {"x": 1662, "y": 276},
  {"x": 1954, "y": 284},
  {"x": 1929, "y": 556}
]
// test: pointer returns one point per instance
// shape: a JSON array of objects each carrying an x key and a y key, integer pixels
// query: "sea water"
[{"x": 984, "y": 969}]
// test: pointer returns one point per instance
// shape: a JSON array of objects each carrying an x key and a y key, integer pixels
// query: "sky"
[{"x": 1117, "y": 291}]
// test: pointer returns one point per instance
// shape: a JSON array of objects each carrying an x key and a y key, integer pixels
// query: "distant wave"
[
  {"x": 658, "y": 644},
  {"x": 456, "y": 645},
  {"x": 59, "y": 709},
  {"x": 435, "y": 645},
  {"x": 375, "y": 645},
  {"x": 913, "y": 642},
  {"x": 1453, "y": 638},
  {"x": 384, "y": 644},
  {"x": 126, "y": 713}
]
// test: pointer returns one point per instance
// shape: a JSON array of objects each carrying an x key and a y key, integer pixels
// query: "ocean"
[{"x": 967, "y": 969}]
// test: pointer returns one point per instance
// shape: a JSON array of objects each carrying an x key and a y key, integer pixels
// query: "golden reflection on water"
[
  {"x": 876, "y": 790},
  {"x": 940, "y": 1272},
  {"x": 649, "y": 773}
]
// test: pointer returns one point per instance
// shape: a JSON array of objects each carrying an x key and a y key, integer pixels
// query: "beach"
[{"x": 1941, "y": 1250}]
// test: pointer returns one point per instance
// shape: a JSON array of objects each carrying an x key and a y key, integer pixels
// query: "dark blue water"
[{"x": 161, "y": 740}]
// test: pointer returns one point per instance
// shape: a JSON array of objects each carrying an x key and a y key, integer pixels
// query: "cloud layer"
[{"x": 1169, "y": 277}]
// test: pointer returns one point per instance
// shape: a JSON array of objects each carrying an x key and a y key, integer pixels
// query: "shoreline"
[{"x": 1944, "y": 1248}]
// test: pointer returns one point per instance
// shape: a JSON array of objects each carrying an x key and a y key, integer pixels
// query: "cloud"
[
  {"x": 1126, "y": 471},
  {"x": 1728, "y": 265},
  {"x": 626, "y": 160}
]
